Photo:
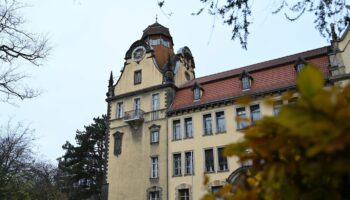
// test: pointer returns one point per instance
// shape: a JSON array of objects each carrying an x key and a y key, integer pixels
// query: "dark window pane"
[{"x": 209, "y": 160}]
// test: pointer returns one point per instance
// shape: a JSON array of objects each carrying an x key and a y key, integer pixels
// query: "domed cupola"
[{"x": 158, "y": 37}]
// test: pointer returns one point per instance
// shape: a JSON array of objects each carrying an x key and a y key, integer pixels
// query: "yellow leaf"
[
  {"x": 310, "y": 81},
  {"x": 245, "y": 100}
]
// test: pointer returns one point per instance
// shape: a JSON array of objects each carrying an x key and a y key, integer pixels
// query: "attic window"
[
  {"x": 246, "y": 80},
  {"x": 245, "y": 83},
  {"x": 196, "y": 93},
  {"x": 299, "y": 65}
]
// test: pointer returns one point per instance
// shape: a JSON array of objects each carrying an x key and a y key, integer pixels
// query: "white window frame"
[
  {"x": 177, "y": 164},
  {"x": 189, "y": 165},
  {"x": 241, "y": 124},
  {"x": 246, "y": 84},
  {"x": 207, "y": 130},
  {"x": 154, "y": 167},
  {"x": 222, "y": 129},
  {"x": 255, "y": 115},
  {"x": 188, "y": 132},
  {"x": 120, "y": 110},
  {"x": 177, "y": 129}
]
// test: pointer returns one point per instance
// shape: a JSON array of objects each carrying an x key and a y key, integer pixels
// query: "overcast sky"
[{"x": 89, "y": 38}]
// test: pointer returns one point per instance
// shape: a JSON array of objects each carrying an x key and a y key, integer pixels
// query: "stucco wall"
[{"x": 198, "y": 143}]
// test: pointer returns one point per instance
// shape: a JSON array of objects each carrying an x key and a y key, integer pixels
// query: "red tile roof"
[{"x": 267, "y": 76}]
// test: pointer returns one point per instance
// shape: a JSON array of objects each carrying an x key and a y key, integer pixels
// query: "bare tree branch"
[{"x": 16, "y": 44}]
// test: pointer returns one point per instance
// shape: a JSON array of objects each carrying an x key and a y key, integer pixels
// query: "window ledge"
[
  {"x": 212, "y": 172},
  {"x": 222, "y": 132},
  {"x": 208, "y": 134},
  {"x": 174, "y": 140},
  {"x": 154, "y": 143},
  {"x": 222, "y": 171},
  {"x": 177, "y": 175},
  {"x": 189, "y": 174},
  {"x": 188, "y": 138}
]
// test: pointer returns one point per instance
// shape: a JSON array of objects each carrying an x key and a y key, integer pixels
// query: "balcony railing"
[{"x": 133, "y": 115}]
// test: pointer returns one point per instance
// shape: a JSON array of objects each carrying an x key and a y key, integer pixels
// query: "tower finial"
[
  {"x": 111, "y": 80},
  {"x": 334, "y": 34},
  {"x": 156, "y": 18}
]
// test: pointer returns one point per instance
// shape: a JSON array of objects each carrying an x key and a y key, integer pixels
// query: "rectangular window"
[
  {"x": 207, "y": 124},
  {"x": 154, "y": 136},
  {"x": 154, "y": 195},
  {"x": 120, "y": 110},
  {"x": 176, "y": 130},
  {"x": 277, "y": 107},
  {"x": 189, "y": 163},
  {"x": 196, "y": 93},
  {"x": 184, "y": 194},
  {"x": 177, "y": 164},
  {"x": 241, "y": 118},
  {"x": 254, "y": 113},
  {"x": 209, "y": 160},
  {"x": 155, "y": 102},
  {"x": 137, "y": 77},
  {"x": 137, "y": 104},
  {"x": 220, "y": 122},
  {"x": 155, "y": 107},
  {"x": 188, "y": 128},
  {"x": 245, "y": 83},
  {"x": 154, "y": 167},
  {"x": 222, "y": 160}
]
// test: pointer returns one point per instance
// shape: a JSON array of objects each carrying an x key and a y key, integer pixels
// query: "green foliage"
[
  {"x": 303, "y": 153},
  {"x": 84, "y": 164}
]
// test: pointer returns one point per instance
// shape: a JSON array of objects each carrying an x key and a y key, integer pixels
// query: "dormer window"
[
  {"x": 197, "y": 92},
  {"x": 245, "y": 83},
  {"x": 299, "y": 65},
  {"x": 246, "y": 80}
]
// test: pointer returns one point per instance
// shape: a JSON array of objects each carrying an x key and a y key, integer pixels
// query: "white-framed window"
[
  {"x": 177, "y": 164},
  {"x": 137, "y": 104},
  {"x": 241, "y": 118},
  {"x": 299, "y": 67},
  {"x": 176, "y": 130},
  {"x": 120, "y": 110},
  {"x": 154, "y": 167},
  {"x": 154, "y": 195},
  {"x": 255, "y": 113},
  {"x": 188, "y": 127},
  {"x": 184, "y": 194},
  {"x": 207, "y": 124},
  {"x": 220, "y": 122},
  {"x": 196, "y": 93},
  {"x": 245, "y": 83},
  {"x": 209, "y": 160},
  {"x": 154, "y": 136},
  {"x": 189, "y": 163},
  {"x": 222, "y": 160},
  {"x": 137, "y": 77},
  {"x": 155, "y": 102}
]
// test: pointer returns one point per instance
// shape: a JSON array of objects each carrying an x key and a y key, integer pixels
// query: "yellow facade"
[{"x": 142, "y": 165}]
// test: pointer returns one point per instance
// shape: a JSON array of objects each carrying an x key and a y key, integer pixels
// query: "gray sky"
[{"x": 90, "y": 38}]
